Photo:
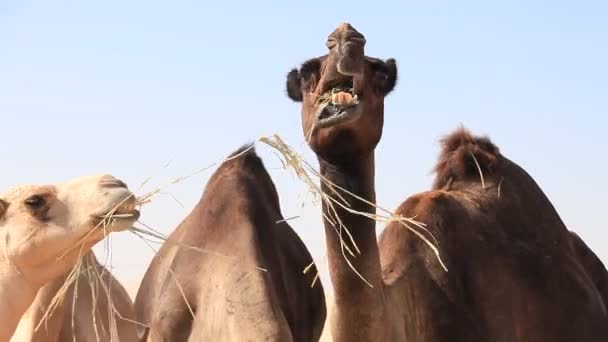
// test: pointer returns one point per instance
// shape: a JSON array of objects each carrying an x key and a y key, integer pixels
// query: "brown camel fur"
[
  {"x": 513, "y": 274},
  {"x": 84, "y": 315},
  {"x": 237, "y": 263},
  {"x": 592, "y": 264}
]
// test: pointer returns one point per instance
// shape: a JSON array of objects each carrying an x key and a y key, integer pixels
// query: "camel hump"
[
  {"x": 243, "y": 169},
  {"x": 247, "y": 149},
  {"x": 245, "y": 157},
  {"x": 464, "y": 156}
]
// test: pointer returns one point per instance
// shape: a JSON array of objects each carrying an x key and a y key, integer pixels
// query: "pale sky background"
[{"x": 128, "y": 87}]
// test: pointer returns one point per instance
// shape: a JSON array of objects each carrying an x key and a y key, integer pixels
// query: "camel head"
[
  {"x": 342, "y": 95},
  {"x": 44, "y": 229}
]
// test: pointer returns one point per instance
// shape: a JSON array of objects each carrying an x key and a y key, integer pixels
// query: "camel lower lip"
[{"x": 337, "y": 116}]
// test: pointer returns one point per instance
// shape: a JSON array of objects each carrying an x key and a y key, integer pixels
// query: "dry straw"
[
  {"x": 309, "y": 175},
  {"x": 335, "y": 198}
]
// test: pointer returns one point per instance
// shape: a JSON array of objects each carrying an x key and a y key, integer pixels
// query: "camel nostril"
[
  {"x": 331, "y": 43},
  {"x": 113, "y": 183}
]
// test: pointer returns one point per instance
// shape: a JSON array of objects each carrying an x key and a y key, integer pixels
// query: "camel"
[
  {"x": 343, "y": 133},
  {"x": 85, "y": 314},
  {"x": 233, "y": 269},
  {"x": 512, "y": 271},
  {"x": 44, "y": 229}
]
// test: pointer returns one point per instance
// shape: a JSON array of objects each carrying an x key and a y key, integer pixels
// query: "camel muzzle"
[{"x": 348, "y": 46}]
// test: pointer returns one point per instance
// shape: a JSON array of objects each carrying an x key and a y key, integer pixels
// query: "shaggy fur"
[{"x": 463, "y": 157}]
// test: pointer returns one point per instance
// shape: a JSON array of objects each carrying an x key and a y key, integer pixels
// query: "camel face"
[
  {"x": 45, "y": 227},
  {"x": 342, "y": 95}
]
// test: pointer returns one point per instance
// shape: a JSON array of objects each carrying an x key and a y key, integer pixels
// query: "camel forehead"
[
  {"x": 89, "y": 180},
  {"x": 21, "y": 192}
]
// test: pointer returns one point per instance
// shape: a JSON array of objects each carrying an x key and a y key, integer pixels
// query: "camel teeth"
[{"x": 342, "y": 98}]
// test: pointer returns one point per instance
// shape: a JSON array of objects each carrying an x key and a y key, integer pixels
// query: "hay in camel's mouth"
[
  {"x": 123, "y": 212},
  {"x": 337, "y": 105},
  {"x": 132, "y": 215}
]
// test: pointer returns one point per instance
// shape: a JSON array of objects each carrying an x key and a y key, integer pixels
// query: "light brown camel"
[
  {"x": 513, "y": 274},
  {"x": 232, "y": 270},
  {"x": 99, "y": 310},
  {"x": 44, "y": 229}
]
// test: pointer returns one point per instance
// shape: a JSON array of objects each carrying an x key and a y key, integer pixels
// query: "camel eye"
[{"x": 35, "y": 202}]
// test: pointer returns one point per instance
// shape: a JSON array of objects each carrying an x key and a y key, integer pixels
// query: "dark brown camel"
[
  {"x": 238, "y": 265},
  {"x": 343, "y": 133},
  {"x": 513, "y": 272},
  {"x": 592, "y": 264}
]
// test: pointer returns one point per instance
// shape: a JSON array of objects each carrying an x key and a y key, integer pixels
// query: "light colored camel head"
[
  {"x": 44, "y": 229},
  {"x": 342, "y": 95}
]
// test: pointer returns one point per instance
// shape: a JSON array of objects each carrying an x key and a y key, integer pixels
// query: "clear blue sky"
[{"x": 127, "y": 87}]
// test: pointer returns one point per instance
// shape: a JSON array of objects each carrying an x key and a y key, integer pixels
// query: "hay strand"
[
  {"x": 483, "y": 183},
  {"x": 306, "y": 173},
  {"x": 333, "y": 197}
]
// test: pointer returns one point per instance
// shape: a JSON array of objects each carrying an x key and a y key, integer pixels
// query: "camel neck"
[
  {"x": 356, "y": 175},
  {"x": 50, "y": 330},
  {"x": 16, "y": 295}
]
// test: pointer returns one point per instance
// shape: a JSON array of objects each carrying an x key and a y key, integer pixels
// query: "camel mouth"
[
  {"x": 338, "y": 105},
  {"x": 116, "y": 221},
  {"x": 122, "y": 213}
]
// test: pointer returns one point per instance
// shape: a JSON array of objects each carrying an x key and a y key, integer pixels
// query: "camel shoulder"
[
  {"x": 592, "y": 265},
  {"x": 425, "y": 241}
]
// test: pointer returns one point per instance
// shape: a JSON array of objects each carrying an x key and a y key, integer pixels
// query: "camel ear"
[
  {"x": 294, "y": 86},
  {"x": 385, "y": 77},
  {"x": 299, "y": 81}
]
